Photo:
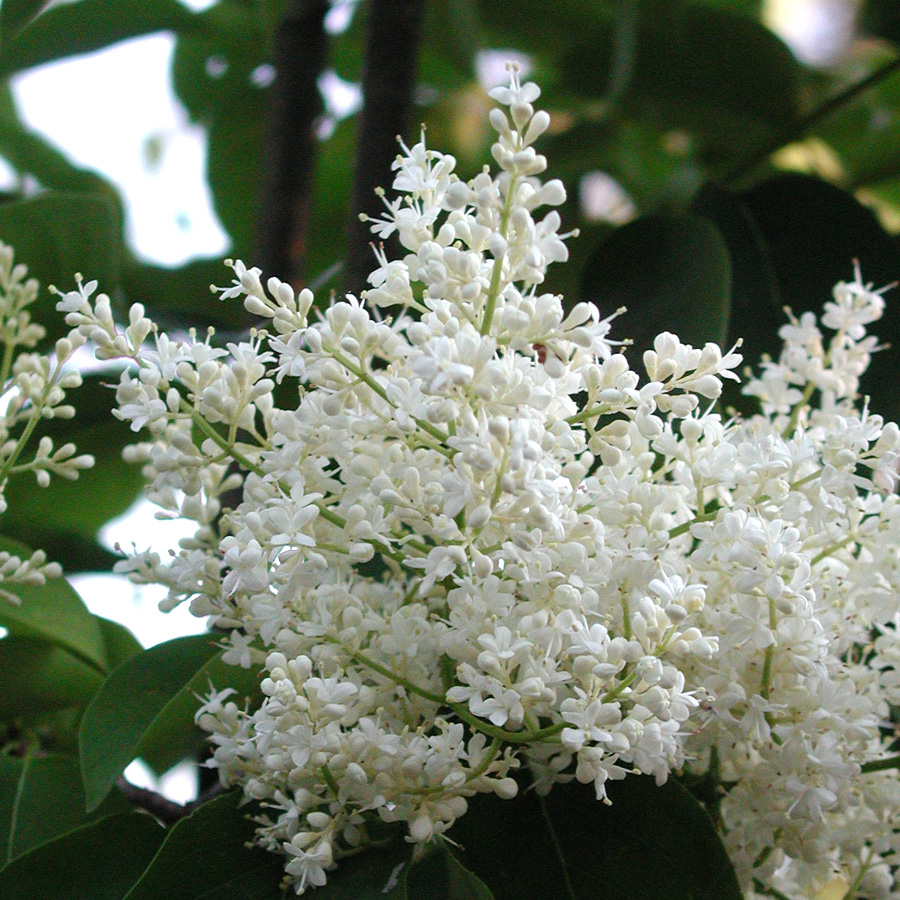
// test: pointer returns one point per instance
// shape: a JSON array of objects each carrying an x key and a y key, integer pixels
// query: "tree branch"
[
  {"x": 807, "y": 123},
  {"x": 388, "y": 80},
  {"x": 299, "y": 57}
]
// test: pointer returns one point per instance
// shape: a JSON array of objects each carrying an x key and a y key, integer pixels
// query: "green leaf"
[
  {"x": 653, "y": 843},
  {"x": 72, "y": 28},
  {"x": 374, "y": 875},
  {"x": 173, "y": 736},
  {"x": 98, "y": 861},
  {"x": 59, "y": 234},
  {"x": 119, "y": 642},
  {"x": 42, "y": 798},
  {"x": 672, "y": 273},
  {"x": 129, "y": 702},
  {"x": 723, "y": 77},
  {"x": 16, "y": 14},
  {"x": 206, "y": 855},
  {"x": 440, "y": 874},
  {"x": 52, "y": 612},
  {"x": 40, "y": 676}
]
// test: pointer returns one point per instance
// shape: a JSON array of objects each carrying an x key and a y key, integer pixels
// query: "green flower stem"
[
  {"x": 370, "y": 382},
  {"x": 795, "y": 412},
  {"x": 497, "y": 271},
  {"x": 880, "y": 765},
  {"x": 8, "y": 353},
  {"x": 766, "y": 683},
  {"x": 461, "y": 710},
  {"x": 684, "y": 527},
  {"x": 31, "y": 424},
  {"x": 832, "y": 549}
]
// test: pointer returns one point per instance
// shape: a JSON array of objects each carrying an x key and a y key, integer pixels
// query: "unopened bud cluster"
[{"x": 475, "y": 551}]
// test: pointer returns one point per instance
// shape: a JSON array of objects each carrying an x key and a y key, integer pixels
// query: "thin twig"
[
  {"x": 299, "y": 57},
  {"x": 807, "y": 123},
  {"x": 388, "y": 80}
]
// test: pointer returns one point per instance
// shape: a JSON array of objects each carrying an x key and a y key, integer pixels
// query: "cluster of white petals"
[
  {"x": 33, "y": 390},
  {"x": 474, "y": 550}
]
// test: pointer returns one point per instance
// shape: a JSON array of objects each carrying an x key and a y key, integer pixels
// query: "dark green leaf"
[
  {"x": 653, "y": 843},
  {"x": 206, "y": 856},
  {"x": 173, "y": 736},
  {"x": 59, "y": 234},
  {"x": 119, "y": 642},
  {"x": 705, "y": 70},
  {"x": 441, "y": 875},
  {"x": 40, "y": 676},
  {"x": 15, "y": 15},
  {"x": 180, "y": 298},
  {"x": 72, "y": 28},
  {"x": 373, "y": 875},
  {"x": 52, "y": 612},
  {"x": 98, "y": 861},
  {"x": 42, "y": 799},
  {"x": 671, "y": 272},
  {"x": 134, "y": 696}
]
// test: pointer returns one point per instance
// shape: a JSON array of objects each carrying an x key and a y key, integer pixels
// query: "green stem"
[
  {"x": 371, "y": 383},
  {"x": 766, "y": 684},
  {"x": 497, "y": 271},
  {"x": 806, "y": 124}
]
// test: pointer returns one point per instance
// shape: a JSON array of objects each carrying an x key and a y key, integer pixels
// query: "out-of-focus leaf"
[
  {"x": 99, "y": 494},
  {"x": 98, "y": 861},
  {"x": 52, "y": 612},
  {"x": 216, "y": 74},
  {"x": 15, "y": 15},
  {"x": 672, "y": 273},
  {"x": 330, "y": 200},
  {"x": 57, "y": 235},
  {"x": 653, "y": 843},
  {"x": 441, "y": 874},
  {"x": 180, "y": 298},
  {"x": 173, "y": 736},
  {"x": 134, "y": 696},
  {"x": 29, "y": 153},
  {"x": 881, "y": 18},
  {"x": 39, "y": 676},
  {"x": 43, "y": 798},
  {"x": 71, "y": 28},
  {"x": 206, "y": 855},
  {"x": 705, "y": 70}
]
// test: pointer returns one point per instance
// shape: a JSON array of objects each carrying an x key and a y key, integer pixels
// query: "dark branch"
[
  {"x": 299, "y": 57},
  {"x": 167, "y": 811},
  {"x": 388, "y": 80}
]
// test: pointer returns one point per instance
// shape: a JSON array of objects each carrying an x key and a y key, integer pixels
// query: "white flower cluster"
[
  {"x": 471, "y": 543},
  {"x": 32, "y": 388}
]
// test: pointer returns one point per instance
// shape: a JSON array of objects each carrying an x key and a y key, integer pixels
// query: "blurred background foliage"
[{"x": 723, "y": 159}]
